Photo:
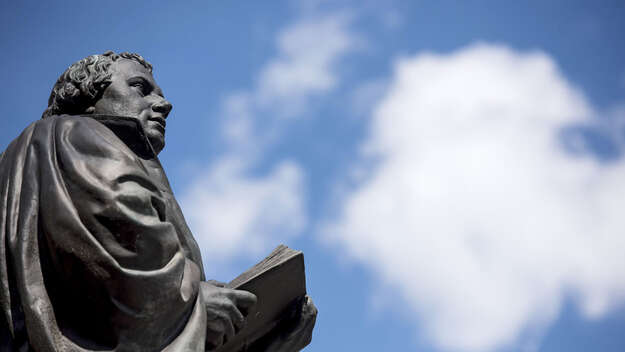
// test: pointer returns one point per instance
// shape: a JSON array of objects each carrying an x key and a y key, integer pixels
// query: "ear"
[{"x": 90, "y": 110}]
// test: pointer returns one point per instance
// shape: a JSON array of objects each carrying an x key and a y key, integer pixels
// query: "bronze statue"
[{"x": 95, "y": 254}]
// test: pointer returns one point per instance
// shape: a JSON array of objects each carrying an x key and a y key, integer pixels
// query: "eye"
[
  {"x": 143, "y": 88},
  {"x": 140, "y": 87}
]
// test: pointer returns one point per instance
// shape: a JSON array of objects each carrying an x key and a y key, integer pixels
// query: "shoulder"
[
  {"x": 73, "y": 123},
  {"x": 84, "y": 135},
  {"x": 68, "y": 139},
  {"x": 67, "y": 126},
  {"x": 46, "y": 131},
  {"x": 59, "y": 137}
]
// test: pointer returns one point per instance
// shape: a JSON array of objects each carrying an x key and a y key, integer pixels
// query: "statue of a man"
[{"x": 95, "y": 254}]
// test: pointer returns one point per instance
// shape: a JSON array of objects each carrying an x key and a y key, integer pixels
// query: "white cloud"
[
  {"x": 308, "y": 52},
  {"x": 232, "y": 212},
  {"x": 475, "y": 214},
  {"x": 237, "y": 215},
  {"x": 305, "y": 66}
]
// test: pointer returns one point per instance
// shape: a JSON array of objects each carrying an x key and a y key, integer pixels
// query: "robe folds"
[{"x": 95, "y": 254}]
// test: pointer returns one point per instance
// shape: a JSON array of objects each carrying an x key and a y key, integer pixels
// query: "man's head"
[{"x": 113, "y": 84}]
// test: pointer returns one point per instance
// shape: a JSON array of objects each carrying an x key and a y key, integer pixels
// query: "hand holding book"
[
  {"x": 226, "y": 310},
  {"x": 284, "y": 316}
]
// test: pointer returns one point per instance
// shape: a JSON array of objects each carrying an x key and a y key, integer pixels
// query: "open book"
[{"x": 279, "y": 281}]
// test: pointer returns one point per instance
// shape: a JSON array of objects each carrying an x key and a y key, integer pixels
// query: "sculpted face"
[{"x": 134, "y": 93}]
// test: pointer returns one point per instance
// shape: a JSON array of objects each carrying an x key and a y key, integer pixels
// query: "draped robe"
[{"x": 95, "y": 254}]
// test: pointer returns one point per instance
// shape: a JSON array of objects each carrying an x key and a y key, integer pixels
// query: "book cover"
[{"x": 278, "y": 281}]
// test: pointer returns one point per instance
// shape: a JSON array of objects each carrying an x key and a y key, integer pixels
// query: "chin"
[{"x": 158, "y": 143}]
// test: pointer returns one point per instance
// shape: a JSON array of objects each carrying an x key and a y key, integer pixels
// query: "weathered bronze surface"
[{"x": 95, "y": 254}]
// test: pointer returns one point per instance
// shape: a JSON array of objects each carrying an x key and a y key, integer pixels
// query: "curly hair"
[{"x": 83, "y": 83}]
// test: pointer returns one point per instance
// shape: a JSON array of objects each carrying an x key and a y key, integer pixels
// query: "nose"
[{"x": 163, "y": 106}]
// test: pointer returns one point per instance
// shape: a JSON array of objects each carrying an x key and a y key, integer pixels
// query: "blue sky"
[{"x": 452, "y": 170}]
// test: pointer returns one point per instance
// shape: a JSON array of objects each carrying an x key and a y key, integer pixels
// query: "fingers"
[
  {"x": 309, "y": 308},
  {"x": 226, "y": 310},
  {"x": 214, "y": 334},
  {"x": 228, "y": 329},
  {"x": 219, "y": 329},
  {"x": 308, "y": 316},
  {"x": 301, "y": 336},
  {"x": 244, "y": 300},
  {"x": 236, "y": 316}
]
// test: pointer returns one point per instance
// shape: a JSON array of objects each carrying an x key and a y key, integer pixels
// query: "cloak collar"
[{"x": 130, "y": 131}]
